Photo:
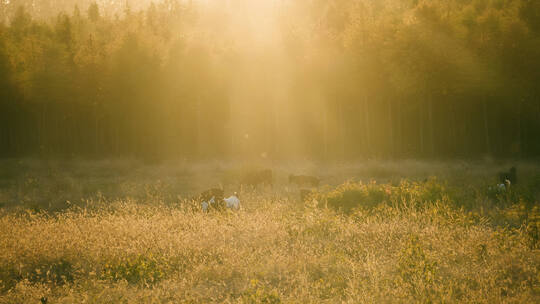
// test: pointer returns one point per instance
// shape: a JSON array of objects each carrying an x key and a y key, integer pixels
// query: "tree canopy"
[{"x": 334, "y": 79}]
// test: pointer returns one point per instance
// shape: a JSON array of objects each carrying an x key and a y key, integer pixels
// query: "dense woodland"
[{"x": 322, "y": 79}]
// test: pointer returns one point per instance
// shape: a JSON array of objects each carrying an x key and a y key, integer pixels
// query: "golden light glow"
[{"x": 280, "y": 78}]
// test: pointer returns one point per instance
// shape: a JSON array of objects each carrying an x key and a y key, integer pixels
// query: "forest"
[{"x": 318, "y": 79}]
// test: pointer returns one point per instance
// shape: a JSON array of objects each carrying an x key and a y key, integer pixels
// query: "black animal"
[
  {"x": 43, "y": 300},
  {"x": 260, "y": 177},
  {"x": 510, "y": 176},
  {"x": 206, "y": 195},
  {"x": 214, "y": 193},
  {"x": 304, "y": 180}
]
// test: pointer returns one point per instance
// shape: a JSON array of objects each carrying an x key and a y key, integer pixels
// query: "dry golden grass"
[{"x": 153, "y": 250}]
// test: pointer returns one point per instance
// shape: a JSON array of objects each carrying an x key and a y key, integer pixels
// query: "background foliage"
[{"x": 319, "y": 79}]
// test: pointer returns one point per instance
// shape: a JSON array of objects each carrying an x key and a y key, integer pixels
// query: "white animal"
[{"x": 232, "y": 202}]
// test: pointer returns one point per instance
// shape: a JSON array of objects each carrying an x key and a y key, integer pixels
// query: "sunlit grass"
[{"x": 406, "y": 242}]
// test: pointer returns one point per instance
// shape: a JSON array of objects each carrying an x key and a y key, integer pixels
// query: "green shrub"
[
  {"x": 139, "y": 269},
  {"x": 8, "y": 277},
  {"x": 259, "y": 293},
  {"x": 352, "y": 195},
  {"x": 417, "y": 272},
  {"x": 432, "y": 190},
  {"x": 57, "y": 272},
  {"x": 532, "y": 227}
]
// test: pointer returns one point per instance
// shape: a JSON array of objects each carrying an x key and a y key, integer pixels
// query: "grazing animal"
[
  {"x": 210, "y": 199},
  {"x": 510, "y": 176},
  {"x": 304, "y": 180},
  {"x": 216, "y": 193},
  {"x": 232, "y": 202},
  {"x": 255, "y": 178}
]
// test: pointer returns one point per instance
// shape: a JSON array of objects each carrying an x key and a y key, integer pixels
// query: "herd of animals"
[{"x": 214, "y": 198}]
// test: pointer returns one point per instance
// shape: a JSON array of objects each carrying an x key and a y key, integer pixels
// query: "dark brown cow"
[
  {"x": 216, "y": 193},
  {"x": 304, "y": 180},
  {"x": 205, "y": 197},
  {"x": 255, "y": 178}
]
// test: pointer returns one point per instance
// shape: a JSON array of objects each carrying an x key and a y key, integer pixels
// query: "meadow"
[{"x": 374, "y": 232}]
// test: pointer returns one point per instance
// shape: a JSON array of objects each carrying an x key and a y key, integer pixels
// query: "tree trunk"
[
  {"x": 421, "y": 129},
  {"x": 367, "y": 127},
  {"x": 431, "y": 131},
  {"x": 391, "y": 128},
  {"x": 42, "y": 141},
  {"x": 325, "y": 131},
  {"x": 486, "y": 127},
  {"x": 453, "y": 128},
  {"x": 198, "y": 127},
  {"x": 96, "y": 126},
  {"x": 276, "y": 132},
  {"x": 342, "y": 130},
  {"x": 399, "y": 140},
  {"x": 519, "y": 143}
]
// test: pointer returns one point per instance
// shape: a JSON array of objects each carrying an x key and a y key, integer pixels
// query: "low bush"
[
  {"x": 138, "y": 269},
  {"x": 352, "y": 195},
  {"x": 55, "y": 272}
]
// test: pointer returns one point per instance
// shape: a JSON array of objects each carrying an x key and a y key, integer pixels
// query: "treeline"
[{"x": 339, "y": 79}]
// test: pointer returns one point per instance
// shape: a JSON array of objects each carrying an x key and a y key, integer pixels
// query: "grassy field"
[{"x": 125, "y": 232}]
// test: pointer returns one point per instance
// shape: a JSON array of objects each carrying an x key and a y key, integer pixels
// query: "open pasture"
[{"x": 124, "y": 232}]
